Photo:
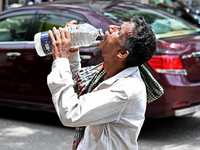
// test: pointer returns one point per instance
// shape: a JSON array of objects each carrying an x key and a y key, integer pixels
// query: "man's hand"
[
  {"x": 73, "y": 22},
  {"x": 60, "y": 43}
]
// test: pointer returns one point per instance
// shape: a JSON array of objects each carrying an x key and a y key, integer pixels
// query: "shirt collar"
[{"x": 123, "y": 74}]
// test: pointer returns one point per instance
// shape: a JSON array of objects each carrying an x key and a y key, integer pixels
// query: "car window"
[
  {"x": 48, "y": 21},
  {"x": 14, "y": 28},
  {"x": 163, "y": 24}
]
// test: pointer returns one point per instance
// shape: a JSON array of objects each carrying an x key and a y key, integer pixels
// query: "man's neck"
[{"x": 112, "y": 70}]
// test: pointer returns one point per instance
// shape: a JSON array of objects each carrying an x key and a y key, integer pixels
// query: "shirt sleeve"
[
  {"x": 75, "y": 63},
  {"x": 98, "y": 107}
]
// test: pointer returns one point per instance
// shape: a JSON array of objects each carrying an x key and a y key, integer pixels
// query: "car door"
[
  {"x": 14, "y": 29},
  {"x": 39, "y": 67}
]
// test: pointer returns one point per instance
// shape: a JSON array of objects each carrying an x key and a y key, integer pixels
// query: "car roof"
[
  {"x": 77, "y": 5},
  {"x": 83, "y": 8}
]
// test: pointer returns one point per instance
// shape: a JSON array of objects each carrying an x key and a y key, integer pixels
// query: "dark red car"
[{"x": 176, "y": 65}]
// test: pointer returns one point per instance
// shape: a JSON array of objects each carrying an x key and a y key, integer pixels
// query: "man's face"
[{"x": 114, "y": 38}]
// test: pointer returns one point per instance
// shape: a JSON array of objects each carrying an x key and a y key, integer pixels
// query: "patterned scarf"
[{"x": 88, "y": 78}]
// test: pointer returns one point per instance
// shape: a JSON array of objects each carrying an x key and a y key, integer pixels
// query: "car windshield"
[{"x": 163, "y": 24}]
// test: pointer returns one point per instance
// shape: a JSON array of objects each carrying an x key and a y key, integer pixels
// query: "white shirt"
[{"x": 113, "y": 112}]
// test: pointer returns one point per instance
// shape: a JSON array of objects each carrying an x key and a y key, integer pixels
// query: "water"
[{"x": 81, "y": 35}]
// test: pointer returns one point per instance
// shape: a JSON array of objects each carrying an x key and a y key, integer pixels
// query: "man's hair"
[{"x": 142, "y": 45}]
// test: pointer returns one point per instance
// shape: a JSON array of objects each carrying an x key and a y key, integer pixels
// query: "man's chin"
[{"x": 97, "y": 53}]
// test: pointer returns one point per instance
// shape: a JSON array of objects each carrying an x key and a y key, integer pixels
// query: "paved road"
[
  {"x": 171, "y": 134},
  {"x": 34, "y": 130}
]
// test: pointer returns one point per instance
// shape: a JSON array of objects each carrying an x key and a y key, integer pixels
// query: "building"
[{"x": 5, "y": 4}]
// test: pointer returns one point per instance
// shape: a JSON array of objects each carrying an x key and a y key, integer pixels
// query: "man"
[
  {"x": 169, "y": 5},
  {"x": 112, "y": 105}
]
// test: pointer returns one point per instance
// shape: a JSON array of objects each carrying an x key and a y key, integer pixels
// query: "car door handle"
[
  {"x": 196, "y": 54},
  {"x": 13, "y": 54},
  {"x": 85, "y": 56}
]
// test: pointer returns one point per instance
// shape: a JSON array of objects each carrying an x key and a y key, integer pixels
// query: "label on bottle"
[{"x": 46, "y": 43}]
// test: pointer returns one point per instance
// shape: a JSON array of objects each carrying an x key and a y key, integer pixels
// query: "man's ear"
[{"x": 123, "y": 54}]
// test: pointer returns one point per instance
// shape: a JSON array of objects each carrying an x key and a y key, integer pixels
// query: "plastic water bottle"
[{"x": 81, "y": 35}]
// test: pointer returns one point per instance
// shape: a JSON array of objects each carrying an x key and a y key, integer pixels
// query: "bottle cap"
[{"x": 101, "y": 34}]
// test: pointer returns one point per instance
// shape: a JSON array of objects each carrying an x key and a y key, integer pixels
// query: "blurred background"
[{"x": 8, "y": 4}]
